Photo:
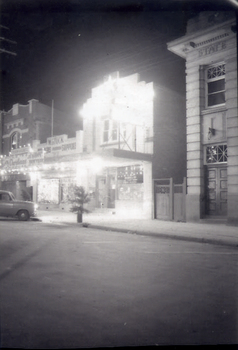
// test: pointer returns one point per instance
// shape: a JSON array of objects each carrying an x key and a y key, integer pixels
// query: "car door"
[{"x": 6, "y": 205}]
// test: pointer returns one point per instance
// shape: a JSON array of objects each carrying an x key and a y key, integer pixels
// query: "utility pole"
[{"x": 52, "y": 119}]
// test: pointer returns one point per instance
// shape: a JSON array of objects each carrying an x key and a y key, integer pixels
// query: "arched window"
[{"x": 15, "y": 140}]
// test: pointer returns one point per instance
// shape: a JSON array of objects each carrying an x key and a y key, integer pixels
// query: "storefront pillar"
[
  {"x": 34, "y": 184},
  {"x": 148, "y": 191}
]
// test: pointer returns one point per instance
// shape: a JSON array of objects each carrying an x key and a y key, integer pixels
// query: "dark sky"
[{"x": 65, "y": 48}]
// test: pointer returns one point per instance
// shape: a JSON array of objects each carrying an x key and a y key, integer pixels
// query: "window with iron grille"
[
  {"x": 215, "y": 78},
  {"x": 216, "y": 154}
]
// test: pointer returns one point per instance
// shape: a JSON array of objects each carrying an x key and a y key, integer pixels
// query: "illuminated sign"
[
  {"x": 55, "y": 140},
  {"x": 130, "y": 174},
  {"x": 69, "y": 146}
]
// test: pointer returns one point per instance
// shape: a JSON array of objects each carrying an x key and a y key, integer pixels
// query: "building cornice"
[{"x": 199, "y": 39}]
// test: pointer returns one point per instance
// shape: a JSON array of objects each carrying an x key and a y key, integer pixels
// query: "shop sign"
[
  {"x": 69, "y": 146},
  {"x": 56, "y": 139},
  {"x": 57, "y": 148},
  {"x": 64, "y": 147},
  {"x": 47, "y": 149},
  {"x": 6, "y": 162},
  {"x": 35, "y": 155},
  {"x": 21, "y": 151},
  {"x": 130, "y": 174},
  {"x": 15, "y": 160},
  {"x": 25, "y": 157},
  {"x": 14, "y": 177},
  {"x": 20, "y": 159},
  {"x": 35, "y": 161}
]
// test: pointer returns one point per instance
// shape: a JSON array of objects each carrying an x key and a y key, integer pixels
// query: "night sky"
[{"x": 65, "y": 48}]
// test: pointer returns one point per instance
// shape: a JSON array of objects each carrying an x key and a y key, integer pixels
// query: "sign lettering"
[{"x": 212, "y": 49}]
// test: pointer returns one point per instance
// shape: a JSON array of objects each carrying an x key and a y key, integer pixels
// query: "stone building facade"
[{"x": 210, "y": 50}]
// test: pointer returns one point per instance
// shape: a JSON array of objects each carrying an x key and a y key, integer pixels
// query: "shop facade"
[
  {"x": 210, "y": 50},
  {"x": 111, "y": 157}
]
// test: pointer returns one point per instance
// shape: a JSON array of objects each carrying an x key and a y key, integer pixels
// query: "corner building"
[{"x": 210, "y": 50}]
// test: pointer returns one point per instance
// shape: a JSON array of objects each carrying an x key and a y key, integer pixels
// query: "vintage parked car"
[{"x": 9, "y": 206}]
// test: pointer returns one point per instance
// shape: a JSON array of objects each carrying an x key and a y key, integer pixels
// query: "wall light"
[
  {"x": 192, "y": 44},
  {"x": 211, "y": 132}
]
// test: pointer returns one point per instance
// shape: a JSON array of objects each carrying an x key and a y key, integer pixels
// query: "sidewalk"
[{"x": 204, "y": 232}]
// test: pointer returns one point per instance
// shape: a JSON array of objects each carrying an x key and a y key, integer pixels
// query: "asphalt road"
[{"x": 64, "y": 286}]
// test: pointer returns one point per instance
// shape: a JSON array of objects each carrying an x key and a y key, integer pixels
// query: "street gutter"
[{"x": 164, "y": 235}]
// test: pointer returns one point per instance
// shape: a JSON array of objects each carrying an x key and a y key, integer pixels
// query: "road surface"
[{"x": 64, "y": 286}]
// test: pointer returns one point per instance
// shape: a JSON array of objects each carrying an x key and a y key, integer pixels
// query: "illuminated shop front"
[
  {"x": 111, "y": 157},
  {"x": 122, "y": 185},
  {"x": 118, "y": 130}
]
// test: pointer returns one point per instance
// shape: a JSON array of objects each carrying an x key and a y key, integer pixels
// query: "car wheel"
[{"x": 23, "y": 215}]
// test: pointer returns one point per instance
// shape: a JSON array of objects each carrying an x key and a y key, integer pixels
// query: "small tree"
[{"x": 79, "y": 198}]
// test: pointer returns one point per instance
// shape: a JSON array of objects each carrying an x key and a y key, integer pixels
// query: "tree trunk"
[{"x": 79, "y": 217}]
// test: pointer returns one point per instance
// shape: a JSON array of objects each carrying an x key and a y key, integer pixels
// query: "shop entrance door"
[
  {"x": 101, "y": 191},
  {"x": 105, "y": 191},
  {"x": 217, "y": 191}
]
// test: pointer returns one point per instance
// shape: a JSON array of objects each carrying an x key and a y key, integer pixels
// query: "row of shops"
[
  {"x": 111, "y": 157},
  {"x": 47, "y": 174}
]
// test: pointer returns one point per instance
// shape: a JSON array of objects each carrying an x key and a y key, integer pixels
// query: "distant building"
[
  {"x": 23, "y": 124},
  {"x": 210, "y": 50},
  {"x": 132, "y": 133}
]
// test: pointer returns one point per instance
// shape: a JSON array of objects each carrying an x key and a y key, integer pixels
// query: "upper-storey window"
[
  {"x": 15, "y": 138},
  {"x": 110, "y": 130},
  {"x": 106, "y": 131},
  {"x": 114, "y": 130},
  {"x": 215, "y": 85}
]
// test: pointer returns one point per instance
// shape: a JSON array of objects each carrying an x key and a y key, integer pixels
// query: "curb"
[
  {"x": 35, "y": 219},
  {"x": 149, "y": 233},
  {"x": 164, "y": 235}
]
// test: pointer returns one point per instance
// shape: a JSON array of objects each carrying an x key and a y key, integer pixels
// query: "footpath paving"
[{"x": 206, "y": 231}]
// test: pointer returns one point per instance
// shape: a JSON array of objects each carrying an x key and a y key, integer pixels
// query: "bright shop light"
[
  {"x": 97, "y": 165},
  {"x": 121, "y": 99}
]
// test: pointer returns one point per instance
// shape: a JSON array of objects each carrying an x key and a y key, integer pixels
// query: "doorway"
[
  {"x": 105, "y": 191},
  {"x": 216, "y": 189}
]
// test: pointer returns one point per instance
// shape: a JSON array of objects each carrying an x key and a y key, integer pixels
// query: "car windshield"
[{"x": 12, "y": 195}]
